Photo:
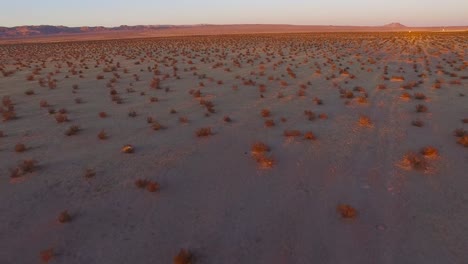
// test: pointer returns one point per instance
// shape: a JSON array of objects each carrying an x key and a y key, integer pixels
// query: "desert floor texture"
[{"x": 263, "y": 148}]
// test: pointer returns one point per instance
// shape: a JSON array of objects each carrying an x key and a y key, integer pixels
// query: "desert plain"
[{"x": 249, "y": 148}]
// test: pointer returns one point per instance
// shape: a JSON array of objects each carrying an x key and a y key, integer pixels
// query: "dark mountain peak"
[{"x": 395, "y": 25}]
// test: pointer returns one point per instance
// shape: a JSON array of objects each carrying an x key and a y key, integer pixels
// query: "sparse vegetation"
[
  {"x": 47, "y": 255},
  {"x": 23, "y": 168},
  {"x": 102, "y": 135},
  {"x": 419, "y": 96},
  {"x": 346, "y": 211},
  {"x": 183, "y": 257},
  {"x": 64, "y": 217},
  {"x": 429, "y": 152},
  {"x": 463, "y": 141},
  {"x": 89, "y": 173},
  {"x": 417, "y": 123},
  {"x": 414, "y": 161},
  {"x": 150, "y": 186},
  {"x": 72, "y": 130},
  {"x": 309, "y": 136},
  {"x": 20, "y": 147},
  {"x": 128, "y": 149},
  {"x": 61, "y": 118},
  {"x": 421, "y": 108},
  {"x": 292, "y": 133},
  {"x": 204, "y": 132},
  {"x": 365, "y": 121},
  {"x": 265, "y": 113},
  {"x": 185, "y": 101}
]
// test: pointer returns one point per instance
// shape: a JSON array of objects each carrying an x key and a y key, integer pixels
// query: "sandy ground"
[{"x": 214, "y": 199}]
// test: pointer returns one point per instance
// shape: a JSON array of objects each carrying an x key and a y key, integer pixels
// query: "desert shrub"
[
  {"x": 102, "y": 135},
  {"x": 183, "y": 120},
  {"x": 414, "y": 161},
  {"x": 132, "y": 113},
  {"x": 264, "y": 161},
  {"x": 318, "y": 101},
  {"x": 259, "y": 148},
  {"x": 301, "y": 93},
  {"x": 197, "y": 94},
  {"x": 141, "y": 183},
  {"x": 227, "y": 119},
  {"x": 463, "y": 141},
  {"x": 64, "y": 217},
  {"x": 323, "y": 116},
  {"x": 346, "y": 211},
  {"x": 8, "y": 115},
  {"x": 429, "y": 152},
  {"x": 183, "y": 257},
  {"x": 419, "y": 96},
  {"x": 365, "y": 121},
  {"x": 460, "y": 132},
  {"x": 265, "y": 113},
  {"x": 15, "y": 172},
  {"x": 72, "y": 130},
  {"x": 362, "y": 100},
  {"x": 421, "y": 108},
  {"x": 61, "y": 118},
  {"x": 29, "y": 92},
  {"x": 24, "y": 167},
  {"x": 127, "y": 149},
  {"x": 310, "y": 115},
  {"x": 157, "y": 126},
  {"x": 269, "y": 123},
  {"x": 20, "y": 147},
  {"x": 152, "y": 186},
  {"x": 28, "y": 166},
  {"x": 43, "y": 104},
  {"x": 309, "y": 136},
  {"x": 6, "y": 101},
  {"x": 117, "y": 99},
  {"x": 348, "y": 95},
  {"x": 417, "y": 123},
  {"x": 292, "y": 133},
  {"x": 405, "y": 96},
  {"x": 89, "y": 173},
  {"x": 204, "y": 132},
  {"x": 47, "y": 255}
]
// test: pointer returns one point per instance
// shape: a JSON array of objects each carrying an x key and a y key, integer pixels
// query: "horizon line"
[{"x": 237, "y": 24}]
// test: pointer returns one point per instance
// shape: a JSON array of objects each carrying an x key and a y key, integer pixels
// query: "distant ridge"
[
  {"x": 44, "y": 30},
  {"x": 395, "y": 25},
  {"x": 62, "y": 33}
]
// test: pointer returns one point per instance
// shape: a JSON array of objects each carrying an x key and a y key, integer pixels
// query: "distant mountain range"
[
  {"x": 25, "y": 31},
  {"x": 62, "y": 33}
]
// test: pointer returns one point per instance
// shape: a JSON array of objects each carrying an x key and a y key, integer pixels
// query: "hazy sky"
[{"x": 305, "y": 12}]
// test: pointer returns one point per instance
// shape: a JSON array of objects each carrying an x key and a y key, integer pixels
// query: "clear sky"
[{"x": 299, "y": 12}]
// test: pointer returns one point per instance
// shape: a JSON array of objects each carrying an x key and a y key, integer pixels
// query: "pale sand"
[{"x": 214, "y": 199}]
